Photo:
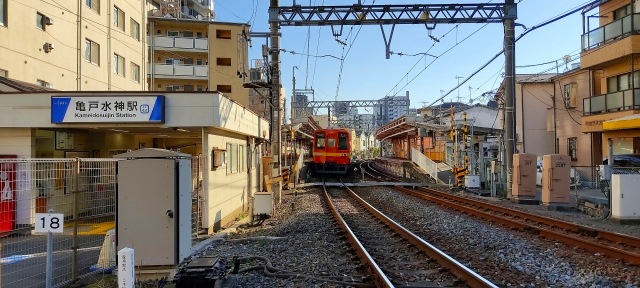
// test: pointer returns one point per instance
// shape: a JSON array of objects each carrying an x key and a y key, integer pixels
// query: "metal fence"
[
  {"x": 81, "y": 189},
  {"x": 197, "y": 197}
]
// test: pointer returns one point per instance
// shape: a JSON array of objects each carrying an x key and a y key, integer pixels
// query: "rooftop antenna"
[{"x": 566, "y": 59}]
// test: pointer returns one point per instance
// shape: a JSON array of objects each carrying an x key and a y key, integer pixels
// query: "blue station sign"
[{"x": 107, "y": 109}]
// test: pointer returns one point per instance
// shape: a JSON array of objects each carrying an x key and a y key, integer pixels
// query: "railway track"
[
  {"x": 397, "y": 257},
  {"x": 615, "y": 245},
  {"x": 375, "y": 174}
]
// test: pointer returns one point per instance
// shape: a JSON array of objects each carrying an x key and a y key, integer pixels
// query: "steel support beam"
[{"x": 392, "y": 14}]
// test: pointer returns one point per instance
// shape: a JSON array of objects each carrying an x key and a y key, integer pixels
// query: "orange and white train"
[{"x": 331, "y": 151}]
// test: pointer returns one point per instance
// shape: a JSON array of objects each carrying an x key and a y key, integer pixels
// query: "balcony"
[
  {"x": 615, "y": 30},
  {"x": 181, "y": 43},
  {"x": 180, "y": 71},
  {"x": 612, "y": 102}
]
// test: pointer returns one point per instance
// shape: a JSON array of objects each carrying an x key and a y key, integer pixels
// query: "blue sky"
[{"x": 367, "y": 74}]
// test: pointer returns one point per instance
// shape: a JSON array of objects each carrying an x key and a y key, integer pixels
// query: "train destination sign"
[{"x": 114, "y": 109}]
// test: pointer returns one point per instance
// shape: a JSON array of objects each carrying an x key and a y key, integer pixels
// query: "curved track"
[
  {"x": 396, "y": 256},
  {"x": 615, "y": 245},
  {"x": 376, "y": 174}
]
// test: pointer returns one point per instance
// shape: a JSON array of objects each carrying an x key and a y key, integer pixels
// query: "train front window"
[
  {"x": 320, "y": 141},
  {"x": 343, "y": 142},
  {"x": 332, "y": 142}
]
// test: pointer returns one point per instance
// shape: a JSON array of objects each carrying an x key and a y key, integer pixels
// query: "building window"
[
  {"x": 4, "y": 73},
  {"x": 118, "y": 64},
  {"x": 224, "y": 88},
  {"x": 94, "y": 5},
  {"x": 241, "y": 157},
  {"x": 135, "y": 72},
  {"x": 172, "y": 61},
  {"x": 199, "y": 88},
  {"x": 572, "y": 148},
  {"x": 223, "y": 34},
  {"x": 188, "y": 88},
  {"x": 92, "y": 52},
  {"x": 223, "y": 61},
  {"x": 118, "y": 18},
  {"x": 135, "y": 29},
  {"x": 173, "y": 87},
  {"x": 569, "y": 95},
  {"x": 3, "y": 12},
  {"x": 621, "y": 12},
  {"x": 232, "y": 158},
  {"x": 44, "y": 83},
  {"x": 173, "y": 33},
  {"x": 40, "y": 21}
]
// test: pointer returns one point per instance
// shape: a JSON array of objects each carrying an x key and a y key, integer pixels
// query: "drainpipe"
[
  {"x": 79, "y": 40},
  {"x": 555, "y": 124},
  {"x": 109, "y": 56},
  {"x": 522, "y": 118},
  {"x": 143, "y": 48},
  {"x": 152, "y": 56}
]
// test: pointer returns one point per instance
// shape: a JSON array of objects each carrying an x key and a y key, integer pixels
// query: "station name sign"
[{"x": 107, "y": 109}]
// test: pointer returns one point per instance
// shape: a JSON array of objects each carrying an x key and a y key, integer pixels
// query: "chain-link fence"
[{"x": 83, "y": 190}]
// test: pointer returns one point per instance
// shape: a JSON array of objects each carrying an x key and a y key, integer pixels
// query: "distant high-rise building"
[{"x": 390, "y": 108}]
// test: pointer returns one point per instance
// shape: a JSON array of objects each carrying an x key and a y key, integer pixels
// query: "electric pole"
[
  {"x": 275, "y": 100},
  {"x": 509, "y": 94}
]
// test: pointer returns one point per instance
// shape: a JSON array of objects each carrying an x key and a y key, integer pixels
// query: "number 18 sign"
[{"x": 49, "y": 222}]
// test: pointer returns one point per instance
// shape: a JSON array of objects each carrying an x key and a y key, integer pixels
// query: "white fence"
[{"x": 425, "y": 163}]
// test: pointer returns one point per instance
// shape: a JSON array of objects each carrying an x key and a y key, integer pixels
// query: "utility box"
[
  {"x": 472, "y": 182},
  {"x": 262, "y": 203},
  {"x": 556, "y": 172},
  {"x": 153, "y": 214},
  {"x": 524, "y": 176},
  {"x": 625, "y": 197}
]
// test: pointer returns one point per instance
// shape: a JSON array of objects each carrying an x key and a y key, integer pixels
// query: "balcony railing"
[
  {"x": 181, "y": 42},
  {"x": 181, "y": 70},
  {"x": 612, "y": 102},
  {"x": 617, "y": 29}
]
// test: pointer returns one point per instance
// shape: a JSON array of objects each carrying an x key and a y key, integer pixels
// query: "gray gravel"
[
  {"x": 312, "y": 246},
  {"x": 555, "y": 264}
]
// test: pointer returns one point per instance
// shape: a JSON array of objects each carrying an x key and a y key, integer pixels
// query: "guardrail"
[{"x": 425, "y": 163}]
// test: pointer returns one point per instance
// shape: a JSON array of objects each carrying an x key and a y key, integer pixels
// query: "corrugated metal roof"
[{"x": 12, "y": 85}]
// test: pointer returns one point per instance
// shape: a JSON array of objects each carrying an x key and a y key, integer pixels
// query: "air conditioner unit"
[
  {"x": 48, "y": 47},
  {"x": 255, "y": 75}
]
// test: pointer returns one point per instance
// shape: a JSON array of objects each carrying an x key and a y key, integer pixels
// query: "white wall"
[
  {"x": 18, "y": 141},
  {"x": 226, "y": 193}
]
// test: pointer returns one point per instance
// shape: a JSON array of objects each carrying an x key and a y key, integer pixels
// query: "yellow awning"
[{"x": 626, "y": 122}]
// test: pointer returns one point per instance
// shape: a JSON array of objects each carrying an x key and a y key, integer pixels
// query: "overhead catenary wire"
[{"x": 547, "y": 22}]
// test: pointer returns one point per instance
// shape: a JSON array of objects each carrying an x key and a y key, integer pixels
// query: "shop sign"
[{"x": 107, "y": 109}]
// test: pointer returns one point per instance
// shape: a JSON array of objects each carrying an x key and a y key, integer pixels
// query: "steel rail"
[
  {"x": 469, "y": 276},
  {"x": 381, "y": 279},
  {"x": 628, "y": 257},
  {"x": 572, "y": 227},
  {"x": 382, "y": 173}
]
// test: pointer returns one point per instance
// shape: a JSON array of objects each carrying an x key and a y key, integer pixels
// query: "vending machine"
[{"x": 7, "y": 193}]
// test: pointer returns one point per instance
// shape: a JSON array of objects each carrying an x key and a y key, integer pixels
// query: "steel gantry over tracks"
[{"x": 426, "y": 14}]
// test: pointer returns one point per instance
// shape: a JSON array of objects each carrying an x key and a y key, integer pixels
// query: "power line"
[
  {"x": 442, "y": 54},
  {"x": 547, "y": 22}
]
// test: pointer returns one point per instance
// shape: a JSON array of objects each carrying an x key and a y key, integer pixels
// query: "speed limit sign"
[{"x": 49, "y": 222}]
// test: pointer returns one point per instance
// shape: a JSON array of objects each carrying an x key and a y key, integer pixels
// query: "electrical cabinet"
[
  {"x": 524, "y": 176},
  {"x": 556, "y": 178},
  {"x": 625, "y": 196}
]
